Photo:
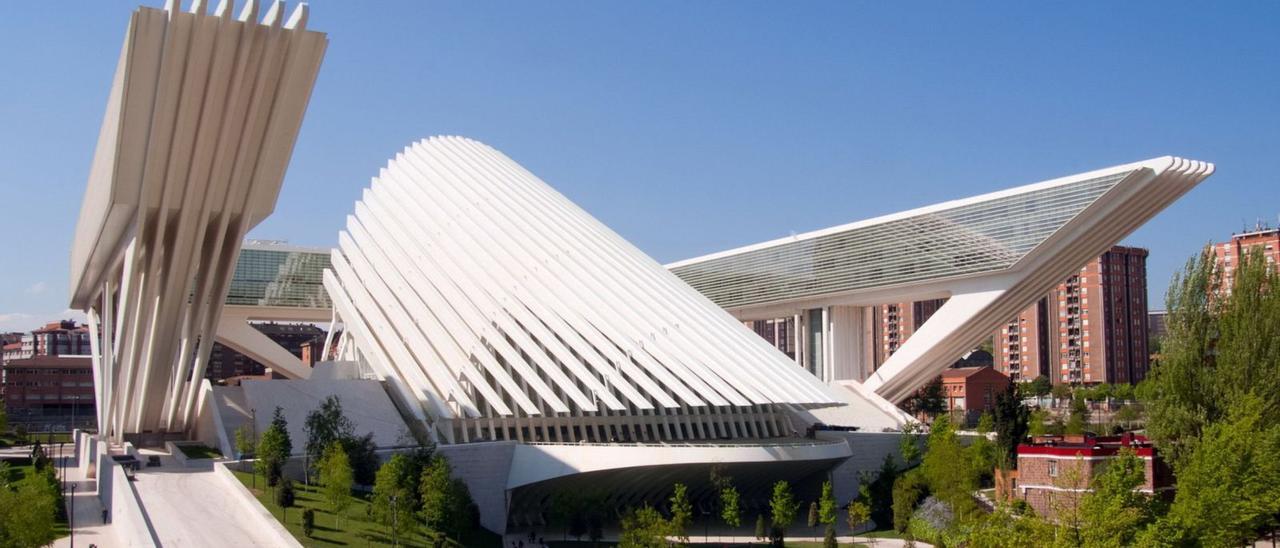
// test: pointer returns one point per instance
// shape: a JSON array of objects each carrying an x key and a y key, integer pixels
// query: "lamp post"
[
  {"x": 71, "y": 516},
  {"x": 395, "y": 524},
  {"x": 253, "y": 469}
]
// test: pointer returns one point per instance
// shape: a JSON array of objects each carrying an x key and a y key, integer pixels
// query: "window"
[{"x": 1053, "y": 468}]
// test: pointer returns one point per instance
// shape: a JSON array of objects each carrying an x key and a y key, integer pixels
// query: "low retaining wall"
[
  {"x": 274, "y": 528},
  {"x": 117, "y": 495}
]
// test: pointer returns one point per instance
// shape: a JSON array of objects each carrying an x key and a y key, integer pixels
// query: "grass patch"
[
  {"x": 354, "y": 527},
  {"x": 27, "y": 472},
  {"x": 757, "y": 544},
  {"x": 199, "y": 451}
]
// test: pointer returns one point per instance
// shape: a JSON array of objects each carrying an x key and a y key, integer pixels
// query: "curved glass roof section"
[
  {"x": 971, "y": 238},
  {"x": 279, "y": 275}
]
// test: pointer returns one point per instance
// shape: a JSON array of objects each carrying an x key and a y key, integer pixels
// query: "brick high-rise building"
[
  {"x": 896, "y": 322},
  {"x": 1228, "y": 254},
  {"x": 1092, "y": 328}
]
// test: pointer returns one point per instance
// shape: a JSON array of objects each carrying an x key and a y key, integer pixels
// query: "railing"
[{"x": 763, "y": 443}]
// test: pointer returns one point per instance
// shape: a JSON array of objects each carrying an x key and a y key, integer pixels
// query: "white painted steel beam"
[{"x": 201, "y": 121}]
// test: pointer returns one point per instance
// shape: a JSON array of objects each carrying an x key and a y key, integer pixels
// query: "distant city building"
[
  {"x": 226, "y": 363},
  {"x": 1228, "y": 254},
  {"x": 60, "y": 338},
  {"x": 1157, "y": 325},
  {"x": 972, "y": 390},
  {"x": 1099, "y": 331},
  {"x": 40, "y": 388},
  {"x": 896, "y": 322},
  {"x": 1055, "y": 471}
]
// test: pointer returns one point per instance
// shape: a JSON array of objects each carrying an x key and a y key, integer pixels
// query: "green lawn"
[
  {"x": 693, "y": 543},
  {"x": 353, "y": 529},
  {"x": 199, "y": 451}
]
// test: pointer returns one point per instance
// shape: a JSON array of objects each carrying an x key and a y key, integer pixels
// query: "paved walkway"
[
  {"x": 86, "y": 511},
  {"x": 194, "y": 507}
]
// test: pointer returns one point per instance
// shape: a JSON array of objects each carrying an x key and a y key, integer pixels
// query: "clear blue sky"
[{"x": 690, "y": 127}]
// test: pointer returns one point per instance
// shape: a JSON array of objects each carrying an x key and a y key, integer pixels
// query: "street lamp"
[{"x": 71, "y": 516}]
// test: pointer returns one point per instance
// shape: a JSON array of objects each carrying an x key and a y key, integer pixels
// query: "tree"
[
  {"x": 308, "y": 522},
  {"x": 908, "y": 491},
  {"x": 1123, "y": 392},
  {"x": 782, "y": 508},
  {"x": 877, "y": 490},
  {"x": 394, "y": 496},
  {"x": 1114, "y": 512},
  {"x": 730, "y": 507},
  {"x": 681, "y": 512},
  {"x": 324, "y": 426},
  {"x": 859, "y": 513},
  {"x": 760, "y": 527},
  {"x": 1078, "y": 421},
  {"x": 285, "y": 496},
  {"x": 1040, "y": 386},
  {"x": 829, "y": 538},
  {"x": 947, "y": 467},
  {"x": 336, "y": 475},
  {"x": 987, "y": 421},
  {"x": 827, "y": 504},
  {"x": 909, "y": 444},
  {"x": 812, "y": 520},
  {"x": 1229, "y": 485},
  {"x": 363, "y": 454},
  {"x": 644, "y": 527},
  {"x": 27, "y": 515},
  {"x": 446, "y": 502},
  {"x": 1011, "y": 421},
  {"x": 274, "y": 448},
  {"x": 1037, "y": 423},
  {"x": 1060, "y": 392},
  {"x": 930, "y": 400}
]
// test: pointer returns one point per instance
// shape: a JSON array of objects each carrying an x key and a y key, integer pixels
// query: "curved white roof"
[{"x": 487, "y": 293}]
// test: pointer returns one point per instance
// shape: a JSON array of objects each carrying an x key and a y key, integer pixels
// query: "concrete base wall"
[
  {"x": 869, "y": 450},
  {"x": 484, "y": 467}
]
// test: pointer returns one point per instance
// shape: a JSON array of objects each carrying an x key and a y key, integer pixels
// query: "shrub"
[
  {"x": 285, "y": 495},
  {"x": 308, "y": 522}
]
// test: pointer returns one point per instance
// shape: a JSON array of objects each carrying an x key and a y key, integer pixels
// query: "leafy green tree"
[
  {"x": 681, "y": 512},
  {"x": 1229, "y": 485},
  {"x": 394, "y": 497},
  {"x": 1008, "y": 528},
  {"x": 782, "y": 508},
  {"x": 1060, "y": 391},
  {"x": 4, "y": 418},
  {"x": 1011, "y": 421},
  {"x": 644, "y": 527},
  {"x": 829, "y": 538},
  {"x": 730, "y": 507},
  {"x": 362, "y": 452},
  {"x": 446, "y": 502},
  {"x": 909, "y": 444},
  {"x": 1114, "y": 512},
  {"x": 812, "y": 520},
  {"x": 1040, "y": 386},
  {"x": 27, "y": 515},
  {"x": 827, "y": 504},
  {"x": 336, "y": 475},
  {"x": 1123, "y": 392},
  {"x": 930, "y": 400},
  {"x": 285, "y": 494},
  {"x": 1078, "y": 421},
  {"x": 859, "y": 513},
  {"x": 1223, "y": 345},
  {"x": 1037, "y": 423},
  {"x": 274, "y": 448},
  {"x": 947, "y": 467},
  {"x": 877, "y": 490},
  {"x": 760, "y": 527},
  {"x": 986, "y": 422},
  {"x": 908, "y": 491},
  {"x": 324, "y": 426}
]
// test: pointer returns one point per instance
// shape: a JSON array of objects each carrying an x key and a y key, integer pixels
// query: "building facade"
[
  {"x": 45, "y": 388},
  {"x": 1228, "y": 254},
  {"x": 1092, "y": 328},
  {"x": 969, "y": 391},
  {"x": 1054, "y": 472},
  {"x": 225, "y": 362}
]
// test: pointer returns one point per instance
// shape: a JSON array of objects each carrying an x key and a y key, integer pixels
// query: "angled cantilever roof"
[
  {"x": 488, "y": 293},
  {"x": 203, "y": 113},
  {"x": 961, "y": 238}
]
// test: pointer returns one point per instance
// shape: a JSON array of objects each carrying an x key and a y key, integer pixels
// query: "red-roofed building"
[
  {"x": 1055, "y": 471},
  {"x": 972, "y": 390}
]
